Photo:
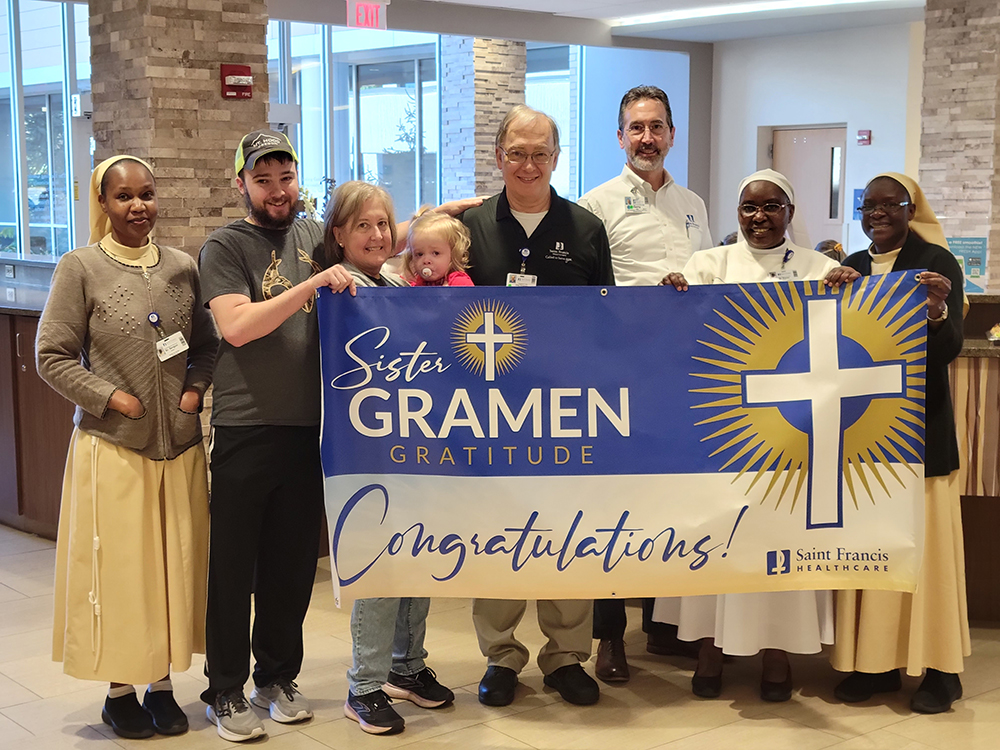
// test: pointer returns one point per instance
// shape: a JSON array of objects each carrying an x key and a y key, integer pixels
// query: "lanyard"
[{"x": 786, "y": 257}]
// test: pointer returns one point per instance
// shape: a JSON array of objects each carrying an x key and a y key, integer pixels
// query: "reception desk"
[{"x": 975, "y": 392}]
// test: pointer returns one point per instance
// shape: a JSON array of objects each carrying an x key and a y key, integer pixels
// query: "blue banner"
[{"x": 460, "y": 413}]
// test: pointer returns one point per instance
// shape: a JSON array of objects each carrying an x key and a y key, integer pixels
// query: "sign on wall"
[{"x": 971, "y": 255}]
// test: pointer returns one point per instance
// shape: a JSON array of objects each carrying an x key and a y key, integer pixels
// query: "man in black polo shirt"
[{"x": 527, "y": 236}]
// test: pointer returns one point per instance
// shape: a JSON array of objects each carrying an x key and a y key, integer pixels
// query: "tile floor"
[{"x": 43, "y": 709}]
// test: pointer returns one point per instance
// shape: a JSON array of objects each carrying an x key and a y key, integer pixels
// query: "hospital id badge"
[
  {"x": 784, "y": 275},
  {"x": 522, "y": 279},
  {"x": 636, "y": 204},
  {"x": 171, "y": 346}
]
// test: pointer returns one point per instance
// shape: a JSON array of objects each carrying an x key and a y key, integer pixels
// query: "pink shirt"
[{"x": 455, "y": 278}]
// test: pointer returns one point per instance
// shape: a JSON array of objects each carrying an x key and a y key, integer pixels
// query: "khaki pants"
[{"x": 566, "y": 623}]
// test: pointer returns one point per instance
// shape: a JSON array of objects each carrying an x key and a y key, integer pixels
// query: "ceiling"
[{"x": 626, "y": 16}]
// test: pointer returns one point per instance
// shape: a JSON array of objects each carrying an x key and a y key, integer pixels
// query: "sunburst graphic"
[
  {"x": 489, "y": 338},
  {"x": 892, "y": 426},
  {"x": 762, "y": 324}
]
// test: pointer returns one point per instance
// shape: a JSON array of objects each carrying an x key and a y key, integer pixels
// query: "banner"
[{"x": 587, "y": 442}]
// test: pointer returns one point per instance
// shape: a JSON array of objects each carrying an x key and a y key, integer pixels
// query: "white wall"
[{"x": 858, "y": 77}]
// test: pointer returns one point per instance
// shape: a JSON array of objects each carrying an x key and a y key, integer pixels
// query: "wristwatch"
[{"x": 943, "y": 316}]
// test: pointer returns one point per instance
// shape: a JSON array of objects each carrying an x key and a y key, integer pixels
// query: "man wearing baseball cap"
[{"x": 259, "y": 277}]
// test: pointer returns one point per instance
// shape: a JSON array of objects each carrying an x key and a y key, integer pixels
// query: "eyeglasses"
[
  {"x": 887, "y": 208},
  {"x": 517, "y": 156},
  {"x": 770, "y": 209},
  {"x": 637, "y": 129}
]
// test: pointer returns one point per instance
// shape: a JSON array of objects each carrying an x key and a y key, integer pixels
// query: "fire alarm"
[
  {"x": 864, "y": 137},
  {"x": 237, "y": 82}
]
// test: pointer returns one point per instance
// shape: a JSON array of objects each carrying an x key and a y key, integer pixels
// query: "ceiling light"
[{"x": 763, "y": 6}]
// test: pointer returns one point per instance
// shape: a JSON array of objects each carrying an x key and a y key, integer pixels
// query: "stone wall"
[
  {"x": 960, "y": 147},
  {"x": 458, "y": 120},
  {"x": 500, "y": 69},
  {"x": 156, "y": 95},
  {"x": 481, "y": 79}
]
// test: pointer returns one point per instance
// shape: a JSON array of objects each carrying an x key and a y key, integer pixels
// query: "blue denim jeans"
[{"x": 386, "y": 634}]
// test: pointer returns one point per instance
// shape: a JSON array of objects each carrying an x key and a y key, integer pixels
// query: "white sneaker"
[
  {"x": 233, "y": 717},
  {"x": 283, "y": 701}
]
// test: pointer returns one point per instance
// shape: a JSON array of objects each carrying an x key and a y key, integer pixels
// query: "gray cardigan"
[{"x": 95, "y": 337}]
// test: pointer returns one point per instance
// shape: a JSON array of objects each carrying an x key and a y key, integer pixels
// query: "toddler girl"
[{"x": 437, "y": 251}]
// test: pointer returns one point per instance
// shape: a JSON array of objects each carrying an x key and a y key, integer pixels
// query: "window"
[
  {"x": 8, "y": 186},
  {"x": 547, "y": 88},
  {"x": 36, "y": 218},
  {"x": 309, "y": 92}
]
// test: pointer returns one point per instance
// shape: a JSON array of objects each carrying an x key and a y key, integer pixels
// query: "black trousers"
[
  {"x": 267, "y": 507},
  {"x": 610, "y": 620}
]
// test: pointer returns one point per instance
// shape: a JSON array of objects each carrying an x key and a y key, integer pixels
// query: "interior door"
[{"x": 813, "y": 161}]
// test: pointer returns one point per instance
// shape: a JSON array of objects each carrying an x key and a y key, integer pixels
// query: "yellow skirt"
[
  {"x": 131, "y": 563},
  {"x": 881, "y": 630}
]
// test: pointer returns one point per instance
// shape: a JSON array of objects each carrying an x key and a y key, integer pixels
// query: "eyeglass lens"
[{"x": 770, "y": 209}]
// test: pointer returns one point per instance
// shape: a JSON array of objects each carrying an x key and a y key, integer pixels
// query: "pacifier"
[{"x": 426, "y": 272}]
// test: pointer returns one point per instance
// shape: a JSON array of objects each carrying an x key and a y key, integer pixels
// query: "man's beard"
[
  {"x": 262, "y": 218},
  {"x": 647, "y": 162}
]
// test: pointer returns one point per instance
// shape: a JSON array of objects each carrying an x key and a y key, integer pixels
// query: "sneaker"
[
  {"x": 126, "y": 718},
  {"x": 421, "y": 688},
  {"x": 373, "y": 712},
  {"x": 233, "y": 716},
  {"x": 283, "y": 701},
  {"x": 168, "y": 718}
]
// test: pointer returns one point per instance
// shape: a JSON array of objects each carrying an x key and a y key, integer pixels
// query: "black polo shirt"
[{"x": 569, "y": 246}]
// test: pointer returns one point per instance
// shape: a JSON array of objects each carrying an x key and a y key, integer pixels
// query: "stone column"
[
  {"x": 157, "y": 95},
  {"x": 481, "y": 79},
  {"x": 960, "y": 140}
]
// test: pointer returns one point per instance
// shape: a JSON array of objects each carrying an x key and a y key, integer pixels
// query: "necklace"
[{"x": 149, "y": 256}]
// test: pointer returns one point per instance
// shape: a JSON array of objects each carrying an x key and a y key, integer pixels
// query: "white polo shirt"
[{"x": 652, "y": 233}]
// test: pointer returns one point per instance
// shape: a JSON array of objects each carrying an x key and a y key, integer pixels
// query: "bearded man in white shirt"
[{"x": 654, "y": 225}]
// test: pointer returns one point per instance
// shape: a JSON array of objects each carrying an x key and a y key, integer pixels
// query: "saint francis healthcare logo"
[
  {"x": 489, "y": 338},
  {"x": 793, "y": 396}
]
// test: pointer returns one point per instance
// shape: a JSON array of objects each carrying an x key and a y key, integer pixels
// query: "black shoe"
[
  {"x": 421, "y": 688},
  {"x": 936, "y": 693},
  {"x": 373, "y": 712},
  {"x": 861, "y": 686},
  {"x": 574, "y": 685},
  {"x": 611, "y": 663},
  {"x": 497, "y": 686},
  {"x": 168, "y": 718},
  {"x": 777, "y": 692},
  {"x": 706, "y": 687},
  {"x": 667, "y": 644},
  {"x": 126, "y": 717}
]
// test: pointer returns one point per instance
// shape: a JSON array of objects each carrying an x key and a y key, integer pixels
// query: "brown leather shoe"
[{"x": 611, "y": 663}]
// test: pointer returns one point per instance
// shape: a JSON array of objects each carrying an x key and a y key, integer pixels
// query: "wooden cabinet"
[
  {"x": 35, "y": 428},
  {"x": 9, "y": 502}
]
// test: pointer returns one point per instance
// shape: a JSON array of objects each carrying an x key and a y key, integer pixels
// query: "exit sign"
[{"x": 366, "y": 15}]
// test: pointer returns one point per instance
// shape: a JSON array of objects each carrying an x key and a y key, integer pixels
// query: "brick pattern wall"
[
  {"x": 500, "y": 66},
  {"x": 960, "y": 148},
  {"x": 458, "y": 121},
  {"x": 156, "y": 95},
  {"x": 481, "y": 79}
]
